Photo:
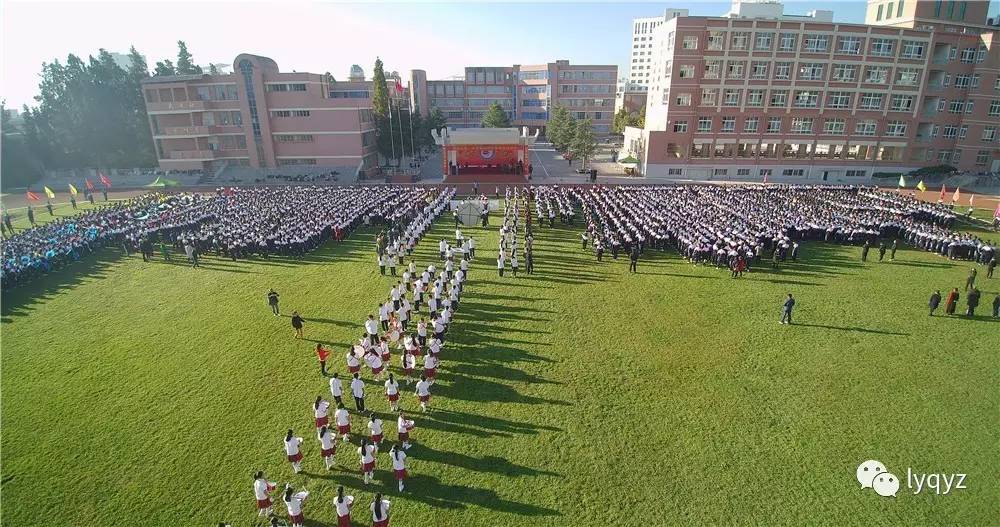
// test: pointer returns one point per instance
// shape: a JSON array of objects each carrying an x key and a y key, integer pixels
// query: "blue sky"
[{"x": 441, "y": 38}]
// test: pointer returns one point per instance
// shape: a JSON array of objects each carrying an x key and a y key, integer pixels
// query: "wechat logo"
[{"x": 873, "y": 475}]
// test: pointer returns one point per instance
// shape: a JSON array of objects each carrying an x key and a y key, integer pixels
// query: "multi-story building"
[
  {"x": 526, "y": 92},
  {"x": 642, "y": 47},
  {"x": 260, "y": 117},
  {"x": 807, "y": 98}
]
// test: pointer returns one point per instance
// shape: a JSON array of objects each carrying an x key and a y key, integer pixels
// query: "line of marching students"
[{"x": 420, "y": 344}]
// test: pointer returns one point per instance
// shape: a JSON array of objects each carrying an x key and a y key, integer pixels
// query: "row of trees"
[
  {"x": 575, "y": 138},
  {"x": 400, "y": 131},
  {"x": 625, "y": 118},
  {"x": 89, "y": 113}
]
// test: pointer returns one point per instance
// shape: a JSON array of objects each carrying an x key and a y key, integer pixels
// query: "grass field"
[{"x": 147, "y": 393}]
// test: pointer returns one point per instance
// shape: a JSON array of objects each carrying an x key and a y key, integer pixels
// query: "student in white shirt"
[
  {"x": 371, "y": 326},
  {"x": 343, "y": 419},
  {"x": 353, "y": 363},
  {"x": 430, "y": 367},
  {"x": 383, "y": 316},
  {"x": 422, "y": 331},
  {"x": 395, "y": 295},
  {"x": 392, "y": 263},
  {"x": 500, "y": 264},
  {"x": 374, "y": 361},
  {"x": 292, "y": 444},
  {"x": 327, "y": 445},
  {"x": 262, "y": 493},
  {"x": 472, "y": 247},
  {"x": 423, "y": 392},
  {"x": 513, "y": 264},
  {"x": 342, "y": 504},
  {"x": 403, "y": 427},
  {"x": 337, "y": 389},
  {"x": 398, "y": 465},
  {"x": 294, "y": 501},
  {"x": 392, "y": 392},
  {"x": 383, "y": 350},
  {"x": 409, "y": 361},
  {"x": 375, "y": 428},
  {"x": 358, "y": 391},
  {"x": 439, "y": 327},
  {"x": 366, "y": 452},
  {"x": 381, "y": 264},
  {"x": 380, "y": 511},
  {"x": 320, "y": 410},
  {"x": 435, "y": 347}
]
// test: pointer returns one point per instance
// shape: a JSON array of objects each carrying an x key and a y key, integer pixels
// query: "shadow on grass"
[{"x": 851, "y": 328}]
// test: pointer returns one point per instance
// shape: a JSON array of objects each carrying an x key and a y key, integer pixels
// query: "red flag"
[
  {"x": 104, "y": 179},
  {"x": 399, "y": 87},
  {"x": 32, "y": 196},
  {"x": 90, "y": 184},
  {"x": 996, "y": 213},
  {"x": 943, "y": 190}
]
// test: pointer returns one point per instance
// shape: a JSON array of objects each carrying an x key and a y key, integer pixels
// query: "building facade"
[
  {"x": 259, "y": 117},
  {"x": 804, "y": 98},
  {"x": 641, "y": 64},
  {"x": 528, "y": 93}
]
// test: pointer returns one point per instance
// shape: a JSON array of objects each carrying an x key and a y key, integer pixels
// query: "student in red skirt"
[
  {"x": 262, "y": 492},
  {"x": 343, "y": 506},
  {"x": 383, "y": 349},
  {"x": 403, "y": 427},
  {"x": 423, "y": 392},
  {"x": 343, "y": 420},
  {"x": 293, "y": 501},
  {"x": 398, "y": 465},
  {"x": 292, "y": 450},
  {"x": 366, "y": 452},
  {"x": 374, "y": 360},
  {"x": 375, "y": 427},
  {"x": 322, "y": 353},
  {"x": 430, "y": 367},
  {"x": 353, "y": 363},
  {"x": 392, "y": 393},
  {"x": 328, "y": 446},
  {"x": 320, "y": 410},
  {"x": 380, "y": 511},
  {"x": 409, "y": 362}
]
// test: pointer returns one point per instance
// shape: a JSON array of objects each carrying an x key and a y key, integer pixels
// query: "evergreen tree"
[
  {"x": 641, "y": 120},
  {"x": 386, "y": 130},
  {"x": 561, "y": 128},
  {"x": 380, "y": 94},
  {"x": 18, "y": 166},
  {"x": 584, "y": 143},
  {"x": 213, "y": 69},
  {"x": 185, "y": 64},
  {"x": 621, "y": 118},
  {"x": 166, "y": 67},
  {"x": 495, "y": 117}
]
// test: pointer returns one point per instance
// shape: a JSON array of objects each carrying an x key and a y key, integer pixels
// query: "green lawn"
[{"x": 148, "y": 393}]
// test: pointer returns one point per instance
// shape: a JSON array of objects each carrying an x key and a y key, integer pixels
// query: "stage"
[{"x": 491, "y": 156}]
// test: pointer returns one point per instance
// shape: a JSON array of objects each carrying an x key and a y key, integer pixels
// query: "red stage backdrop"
[{"x": 479, "y": 155}]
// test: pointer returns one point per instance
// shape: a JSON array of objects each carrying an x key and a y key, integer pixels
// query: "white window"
[
  {"x": 956, "y": 106},
  {"x": 728, "y": 124},
  {"x": 982, "y": 157},
  {"x": 856, "y": 173},
  {"x": 994, "y": 108},
  {"x": 680, "y": 126},
  {"x": 758, "y": 70},
  {"x": 686, "y": 71},
  {"x": 849, "y": 45},
  {"x": 834, "y": 126},
  {"x": 712, "y": 69},
  {"x": 802, "y": 125},
  {"x": 716, "y": 40},
  {"x": 968, "y": 55},
  {"x": 950, "y": 132},
  {"x": 838, "y": 100},
  {"x": 750, "y": 125},
  {"x": 735, "y": 70},
  {"x": 935, "y": 131},
  {"x": 913, "y": 50},
  {"x": 980, "y": 55},
  {"x": 901, "y": 103},
  {"x": 864, "y": 127},
  {"x": 675, "y": 171},
  {"x": 779, "y": 99},
  {"x": 989, "y": 133},
  {"x": 942, "y": 104},
  {"x": 963, "y": 80},
  {"x": 816, "y": 43},
  {"x": 720, "y": 171},
  {"x": 683, "y": 99},
  {"x": 783, "y": 70},
  {"x": 787, "y": 42},
  {"x": 709, "y": 97},
  {"x": 704, "y": 124},
  {"x": 845, "y": 73},
  {"x": 755, "y": 98},
  {"x": 870, "y": 101},
  {"x": 774, "y": 125},
  {"x": 882, "y": 47},
  {"x": 740, "y": 41},
  {"x": 895, "y": 129},
  {"x": 963, "y": 131},
  {"x": 876, "y": 74},
  {"x": 731, "y": 97},
  {"x": 975, "y": 80},
  {"x": 810, "y": 71},
  {"x": 907, "y": 76},
  {"x": 762, "y": 42},
  {"x": 806, "y": 99},
  {"x": 969, "y": 106},
  {"x": 690, "y": 43},
  {"x": 742, "y": 171}
]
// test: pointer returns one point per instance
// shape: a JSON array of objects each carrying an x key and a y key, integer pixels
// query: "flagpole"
[
  {"x": 391, "y": 139},
  {"x": 409, "y": 109},
  {"x": 402, "y": 151}
]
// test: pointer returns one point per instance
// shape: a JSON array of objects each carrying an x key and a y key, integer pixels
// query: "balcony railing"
[
  {"x": 185, "y": 130},
  {"x": 190, "y": 154},
  {"x": 181, "y": 106}
]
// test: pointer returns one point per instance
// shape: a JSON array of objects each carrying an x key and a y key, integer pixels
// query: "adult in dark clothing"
[
  {"x": 972, "y": 301},
  {"x": 786, "y": 310},
  {"x": 934, "y": 302},
  {"x": 970, "y": 282},
  {"x": 892, "y": 253},
  {"x": 7, "y": 222},
  {"x": 633, "y": 259},
  {"x": 529, "y": 262},
  {"x": 31, "y": 216},
  {"x": 48, "y": 207},
  {"x": 989, "y": 267},
  {"x": 297, "y": 324},
  {"x": 864, "y": 252},
  {"x": 881, "y": 251},
  {"x": 90, "y": 197},
  {"x": 996, "y": 306},
  {"x": 272, "y": 300},
  {"x": 951, "y": 302},
  {"x": 105, "y": 193},
  {"x": 72, "y": 201}
]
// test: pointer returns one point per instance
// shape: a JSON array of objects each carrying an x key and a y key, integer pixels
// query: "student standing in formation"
[
  {"x": 398, "y": 464},
  {"x": 272, "y": 300},
  {"x": 342, "y": 504},
  {"x": 383, "y": 316},
  {"x": 380, "y": 511},
  {"x": 403, "y": 427},
  {"x": 423, "y": 392},
  {"x": 430, "y": 367},
  {"x": 292, "y": 450},
  {"x": 513, "y": 264},
  {"x": 633, "y": 259},
  {"x": 786, "y": 310},
  {"x": 294, "y": 501},
  {"x": 934, "y": 302},
  {"x": 327, "y": 445},
  {"x": 472, "y": 247},
  {"x": 322, "y": 353},
  {"x": 321, "y": 409},
  {"x": 381, "y": 264},
  {"x": 353, "y": 363},
  {"x": 422, "y": 331},
  {"x": 881, "y": 251},
  {"x": 374, "y": 360},
  {"x": 366, "y": 452},
  {"x": 297, "y": 324},
  {"x": 375, "y": 428},
  {"x": 392, "y": 392},
  {"x": 892, "y": 251},
  {"x": 864, "y": 251},
  {"x": 409, "y": 362},
  {"x": 337, "y": 389},
  {"x": 343, "y": 419},
  {"x": 358, "y": 390},
  {"x": 371, "y": 326},
  {"x": 500, "y": 264},
  {"x": 262, "y": 492}
]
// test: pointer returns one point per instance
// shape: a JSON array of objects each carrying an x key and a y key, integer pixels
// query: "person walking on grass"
[
  {"x": 392, "y": 393},
  {"x": 262, "y": 489},
  {"x": 322, "y": 354},
  {"x": 342, "y": 504},
  {"x": 633, "y": 259},
  {"x": 272, "y": 300},
  {"x": 864, "y": 251},
  {"x": 327, "y": 446},
  {"x": 375, "y": 429},
  {"x": 321, "y": 410},
  {"x": 358, "y": 390},
  {"x": 970, "y": 282},
  {"x": 892, "y": 253},
  {"x": 786, "y": 310},
  {"x": 293, "y": 502},
  {"x": 996, "y": 306},
  {"x": 293, "y": 451},
  {"x": 972, "y": 302},
  {"x": 423, "y": 392},
  {"x": 500, "y": 264},
  {"x": 366, "y": 452},
  {"x": 990, "y": 266},
  {"x": 934, "y": 302},
  {"x": 398, "y": 465},
  {"x": 513, "y": 265},
  {"x": 343, "y": 420},
  {"x": 951, "y": 301},
  {"x": 337, "y": 389},
  {"x": 380, "y": 511},
  {"x": 403, "y": 428},
  {"x": 297, "y": 323}
]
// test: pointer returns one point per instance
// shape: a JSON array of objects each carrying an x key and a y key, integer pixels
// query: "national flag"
[
  {"x": 89, "y": 183},
  {"x": 944, "y": 189},
  {"x": 957, "y": 195},
  {"x": 399, "y": 87},
  {"x": 32, "y": 196},
  {"x": 902, "y": 182},
  {"x": 72, "y": 189},
  {"x": 104, "y": 179},
  {"x": 921, "y": 186},
  {"x": 49, "y": 193}
]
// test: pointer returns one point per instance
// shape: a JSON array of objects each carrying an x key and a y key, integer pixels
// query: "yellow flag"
[
  {"x": 49, "y": 193},
  {"x": 72, "y": 189},
  {"x": 921, "y": 186}
]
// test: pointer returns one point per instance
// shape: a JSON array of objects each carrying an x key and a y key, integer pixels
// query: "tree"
[
  {"x": 166, "y": 67},
  {"x": 329, "y": 78},
  {"x": 213, "y": 69},
  {"x": 561, "y": 128},
  {"x": 584, "y": 143},
  {"x": 18, "y": 166},
  {"x": 185, "y": 64},
  {"x": 641, "y": 120},
  {"x": 380, "y": 94},
  {"x": 385, "y": 137},
  {"x": 495, "y": 117},
  {"x": 619, "y": 123}
]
